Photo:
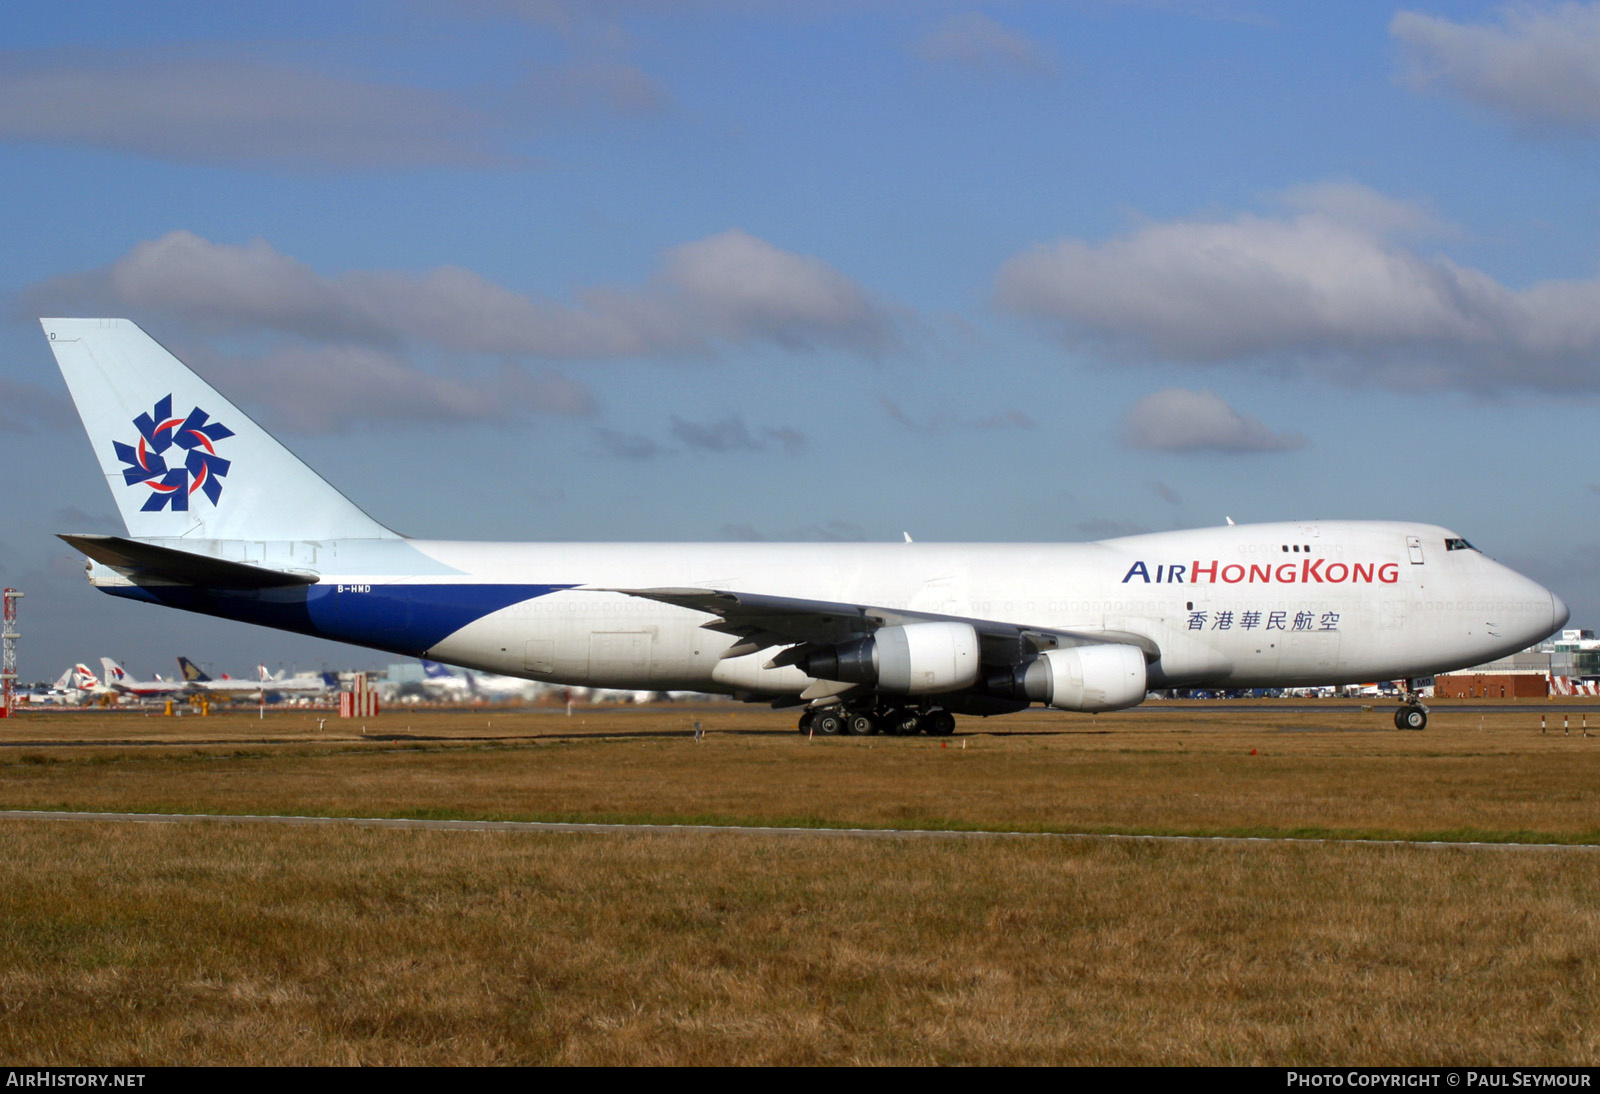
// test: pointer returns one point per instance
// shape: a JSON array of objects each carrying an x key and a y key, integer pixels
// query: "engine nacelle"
[
  {"x": 914, "y": 659},
  {"x": 1086, "y": 678}
]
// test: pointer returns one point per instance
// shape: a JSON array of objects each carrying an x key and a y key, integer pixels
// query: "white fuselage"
[{"x": 1249, "y": 605}]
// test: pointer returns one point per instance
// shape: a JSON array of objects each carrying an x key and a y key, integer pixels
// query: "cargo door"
[{"x": 620, "y": 659}]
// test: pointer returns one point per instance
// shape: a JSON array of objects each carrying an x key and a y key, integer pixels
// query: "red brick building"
[{"x": 1484, "y": 685}]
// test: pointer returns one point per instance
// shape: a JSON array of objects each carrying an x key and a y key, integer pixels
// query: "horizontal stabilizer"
[{"x": 146, "y": 563}]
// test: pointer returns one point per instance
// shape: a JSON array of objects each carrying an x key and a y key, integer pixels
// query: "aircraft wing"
[{"x": 761, "y": 622}]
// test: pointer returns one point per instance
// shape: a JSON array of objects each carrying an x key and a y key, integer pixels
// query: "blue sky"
[{"x": 721, "y": 270}]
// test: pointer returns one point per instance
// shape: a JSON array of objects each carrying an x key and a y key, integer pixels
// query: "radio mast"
[{"x": 8, "y": 654}]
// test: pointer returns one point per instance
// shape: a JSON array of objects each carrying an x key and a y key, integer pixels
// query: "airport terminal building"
[{"x": 1563, "y": 665}]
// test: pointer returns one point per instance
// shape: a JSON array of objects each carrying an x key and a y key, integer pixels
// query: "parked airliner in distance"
[
  {"x": 200, "y": 683},
  {"x": 65, "y": 691},
  {"x": 89, "y": 684},
  {"x": 444, "y": 682},
  {"x": 158, "y": 688},
  {"x": 301, "y": 683},
  {"x": 899, "y": 637}
]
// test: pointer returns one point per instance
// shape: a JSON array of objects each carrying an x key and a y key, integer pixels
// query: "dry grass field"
[{"x": 149, "y": 944}]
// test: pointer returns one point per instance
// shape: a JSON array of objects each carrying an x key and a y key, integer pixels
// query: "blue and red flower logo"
[{"x": 188, "y": 443}]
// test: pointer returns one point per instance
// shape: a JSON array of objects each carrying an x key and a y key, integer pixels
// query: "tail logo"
[{"x": 195, "y": 466}]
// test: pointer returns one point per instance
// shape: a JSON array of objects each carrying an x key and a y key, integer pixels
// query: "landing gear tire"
[
  {"x": 1411, "y": 718},
  {"x": 861, "y": 724},
  {"x": 939, "y": 723},
  {"x": 806, "y": 721},
  {"x": 903, "y": 723},
  {"x": 829, "y": 723}
]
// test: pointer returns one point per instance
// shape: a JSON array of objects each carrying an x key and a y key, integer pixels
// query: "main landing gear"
[
  {"x": 1412, "y": 714},
  {"x": 864, "y": 722}
]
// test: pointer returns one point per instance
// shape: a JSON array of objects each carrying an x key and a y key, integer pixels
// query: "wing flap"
[{"x": 772, "y": 620}]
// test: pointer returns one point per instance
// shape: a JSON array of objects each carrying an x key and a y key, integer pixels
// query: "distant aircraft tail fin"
[
  {"x": 191, "y": 672},
  {"x": 180, "y": 459},
  {"x": 114, "y": 672}
]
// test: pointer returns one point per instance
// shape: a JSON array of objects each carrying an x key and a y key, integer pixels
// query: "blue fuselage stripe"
[{"x": 405, "y": 619}]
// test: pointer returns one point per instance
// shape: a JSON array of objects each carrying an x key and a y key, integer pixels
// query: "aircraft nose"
[{"x": 1558, "y": 612}]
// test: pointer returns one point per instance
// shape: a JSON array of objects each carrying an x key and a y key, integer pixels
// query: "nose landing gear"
[{"x": 1411, "y": 717}]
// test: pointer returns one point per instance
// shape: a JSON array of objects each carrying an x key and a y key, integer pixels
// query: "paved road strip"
[{"x": 748, "y": 830}]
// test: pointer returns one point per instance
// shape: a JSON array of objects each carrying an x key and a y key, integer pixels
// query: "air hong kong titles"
[{"x": 1307, "y": 571}]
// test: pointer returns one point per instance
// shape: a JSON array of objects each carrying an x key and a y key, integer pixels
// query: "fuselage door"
[
  {"x": 1414, "y": 548},
  {"x": 620, "y": 659},
  {"x": 938, "y": 594},
  {"x": 1392, "y": 613},
  {"x": 539, "y": 655}
]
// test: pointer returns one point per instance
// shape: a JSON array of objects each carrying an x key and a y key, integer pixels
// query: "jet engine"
[
  {"x": 914, "y": 659},
  {"x": 1085, "y": 678}
]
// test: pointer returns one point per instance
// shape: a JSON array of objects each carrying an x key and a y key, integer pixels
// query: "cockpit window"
[{"x": 1458, "y": 545}]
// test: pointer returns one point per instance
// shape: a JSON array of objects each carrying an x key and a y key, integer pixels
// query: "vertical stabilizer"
[{"x": 180, "y": 459}]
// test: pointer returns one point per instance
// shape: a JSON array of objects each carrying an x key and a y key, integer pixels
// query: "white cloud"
[
  {"x": 973, "y": 41},
  {"x": 341, "y": 348},
  {"x": 717, "y": 437},
  {"x": 1359, "y": 206},
  {"x": 211, "y": 103},
  {"x": 237, "y": 112},
  {"x": 1178, "y": 420},
  {"x": 745, "y": 286},
  {"x": 1539, "y": 65},
  {"x": 225, "y": 287},
  {"x": 332, "y": 389},
  {"x": 730, "y": 434},
  {"x": 727, "y": 288},
  {"x": 1315, "y": 289},
  {"x": 628, "y": 446}
]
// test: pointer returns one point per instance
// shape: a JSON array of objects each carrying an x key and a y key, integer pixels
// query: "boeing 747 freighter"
[{"x": 896, "y": 637}]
